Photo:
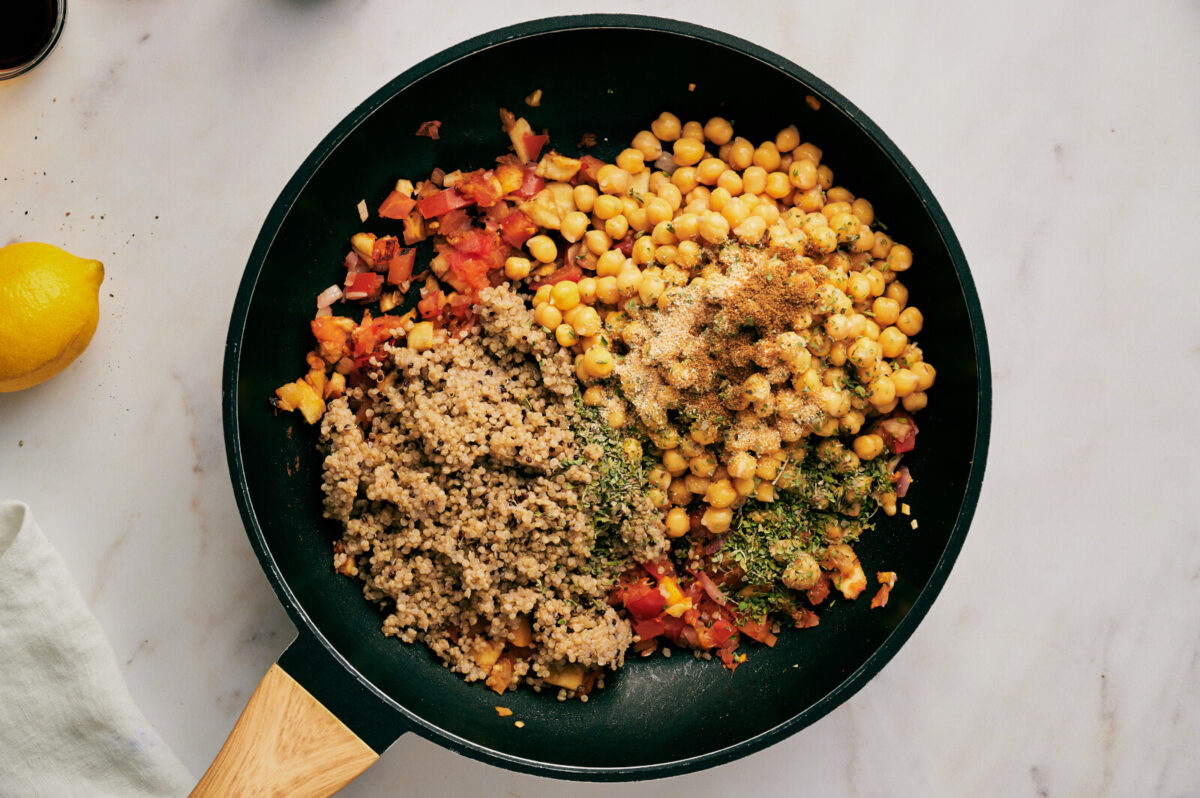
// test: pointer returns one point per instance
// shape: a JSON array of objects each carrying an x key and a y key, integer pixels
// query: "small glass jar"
[{"x": 30, "y": 30}]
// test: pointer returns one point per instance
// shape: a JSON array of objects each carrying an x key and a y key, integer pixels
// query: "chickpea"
[
  {"x": 542, "y": 295},
  {"x": 420, "y": 337},
  {"x": 868, "y": 447},
  {"x": 718, "y": 130},
  {"x": 631, "y": 160},
  {"x": 584, "y": 197},
  {"x": 754, "y": 180},
  {"x": 598, "y": 362},
  {"x": 787, "y": 139},
  {"x": 810, "y": 201},
  {"x": 910, "y": 321},
  {"x": 684, "y": 179},
  {"x": 610, "y": 263},
  {"x": 835, "y": 402},
  {"x": 852, "y": 422},
  {"x": 905, "y": 382},
  {"x": 822, "y": 240},
  {"x": 678, "y": 493},
  {"x": 714, "y": 228},
  {"x": 810, "y": 151},
  {"x": 687, "y": 254},
  {"x": 612, "y": 179},
  {"x": 898, "y": 291},
  {"x": 597, "y": 242},
  {"x": 741, "y": 154},
  {"x": 882, "y": 392},
  {"x": 717, "y": 519},
  {"x": 586, "y": 321},
  {"x": 824, "y": 177},
  {"x": 802, "y": 174},
  {"x": 893, "y": 342},
  {"x": 675, "y": 463},
  {"x": 735, "y": 211},
  {"x": 741, "y": 465},
  {"x": 574, "y": 225},
  {"x": 643, "y": 250},
  {"x": 564, "y": 295},
  {"x": 666, "y": 127},
  {"x": 766, "y": 210},
  {"x": 751, "y": 230},
  {"x": 883, "y": 246},
  {"x": 650, "y": 289},
  {"x": 702, "y": 465},
  {"x": 565, "y": 335},
  {"x": 658, "y": 498},
  {"x": 629, "y": 280},
  {"x": 899, "y": 258},
  {"x": 745, "y": 486},
  {"x": 925, "y": 375},
  {"x": 617, "y": 227},
  {"x": 548, "y": 316},
  {"x": 616, "y": 416},
  {"x": 915, "y": 401},
  {"x": 731, "y": 181},
  {"x": 778, "y": 186},
  {"x": 647, "y": 144},
  {"x": 720, "y": 493},
  {"x": 688, "y": 151},
  {"x": 607, "y": 291},
  {"x": 708, "y": 170},
  {"x": 715, "y": 199},
  {"x": 693, "y": 129},
  {"x": 840, "y": 194},
  {"x": 696, "y": 484},
  {"x": 543, "y": 248},
  {"x": 677, "y": 522},
  {"x": 767, "y": 156},
  {"x": 886, "y": 310},
  {"x": 517, "y": 268}
]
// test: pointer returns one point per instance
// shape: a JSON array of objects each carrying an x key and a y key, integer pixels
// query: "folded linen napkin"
[{"x": 68, "y": 726}]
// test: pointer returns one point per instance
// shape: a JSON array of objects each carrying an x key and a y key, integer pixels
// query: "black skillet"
[{"x": 656, "y": 717}]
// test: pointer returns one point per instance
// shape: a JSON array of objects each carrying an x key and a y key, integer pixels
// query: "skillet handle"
[
  {"x": 285, "y": 743},
  {"x": 309, "y": 729}
]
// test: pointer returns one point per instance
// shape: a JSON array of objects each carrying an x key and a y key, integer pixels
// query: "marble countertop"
[{"x": 1062, "y": 657}]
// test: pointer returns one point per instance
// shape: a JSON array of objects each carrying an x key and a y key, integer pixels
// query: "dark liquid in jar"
[{"x": 25, "y": 28}]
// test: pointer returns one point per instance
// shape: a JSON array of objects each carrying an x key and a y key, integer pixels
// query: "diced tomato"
[
  {"x": 482, "y": 187},
  {"x": 462, "y": 315},
  {"x": 721, "y": 631},
  {"x": 382, "y": 252},
  {"x": 590, "y": 171},
  {"x": 644, "y": 602},
  {"x": 673, "y": 627},
  {"x": 365, "y": 286},
  {"x": 397, "y": 206},
  {"x": 881, "y": 598},
  {"x": 471, "y": 271},
  {"x": 570, "y": 272},
  {"x": 534, "y": 144},
  {"x": 805, "y": 618},
  {"x": 759, "y": 630},
  {"x": 531, "y": 184},
  {"x": 899, "y": 432},
  {"x": 401, "y": 267},
  {"x": 454, "y": 224},
  {"x": 431, "y": 129},
  {"x": 625, "y": 245},
  {"x": 517, "y": 228},
  {"x": 659, "y": 568},
  {"x": 430, "y": 305},
  {"x": 372, "y": 334},
  {"x": 649, "y": 628},
  {"x": 818, "y": 592},
  {"x": 443, "y": 202}
]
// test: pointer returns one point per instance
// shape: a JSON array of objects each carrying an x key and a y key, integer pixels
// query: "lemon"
[{"x": 49, "y": 307}]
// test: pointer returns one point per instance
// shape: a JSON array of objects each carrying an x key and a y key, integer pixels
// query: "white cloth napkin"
[{"x": 68, "y": 726}]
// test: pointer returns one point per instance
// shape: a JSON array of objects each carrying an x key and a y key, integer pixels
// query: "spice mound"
[{"x": 462, "y": 475}]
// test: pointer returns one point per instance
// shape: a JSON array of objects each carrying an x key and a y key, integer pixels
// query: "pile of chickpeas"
[{"x": 683, "y": 189}]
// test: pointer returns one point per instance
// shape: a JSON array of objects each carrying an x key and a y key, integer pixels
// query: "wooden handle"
[{"x": 286, "y": 743}]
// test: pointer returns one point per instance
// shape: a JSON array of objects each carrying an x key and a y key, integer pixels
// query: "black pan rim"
[{"x": 282, "y": 206}]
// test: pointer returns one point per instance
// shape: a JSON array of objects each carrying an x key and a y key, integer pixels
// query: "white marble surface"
[{"x": 1061, "y": 658}]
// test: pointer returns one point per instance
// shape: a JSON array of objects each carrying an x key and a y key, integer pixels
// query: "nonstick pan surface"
[{"x": 656, "y": 716}]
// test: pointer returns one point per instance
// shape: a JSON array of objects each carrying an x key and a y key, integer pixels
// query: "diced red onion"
[
  {"x": 903, "y": 482},
  {"x": 330, "y": 295},
  {"x": 325, "y": 311},
  {"x": 714, "y": 545},
  {"x": 665, "y": 162},
  {"x": 710, "y": 587}
]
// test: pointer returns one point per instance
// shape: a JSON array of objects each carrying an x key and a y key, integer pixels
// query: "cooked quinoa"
[{"x": 460, "y": 484}]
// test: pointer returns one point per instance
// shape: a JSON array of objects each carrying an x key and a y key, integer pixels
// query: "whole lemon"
[{"x": 49, "y": 308}]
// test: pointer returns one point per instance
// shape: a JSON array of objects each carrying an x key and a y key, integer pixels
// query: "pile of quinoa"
[{"x": 460, "y": 481}]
